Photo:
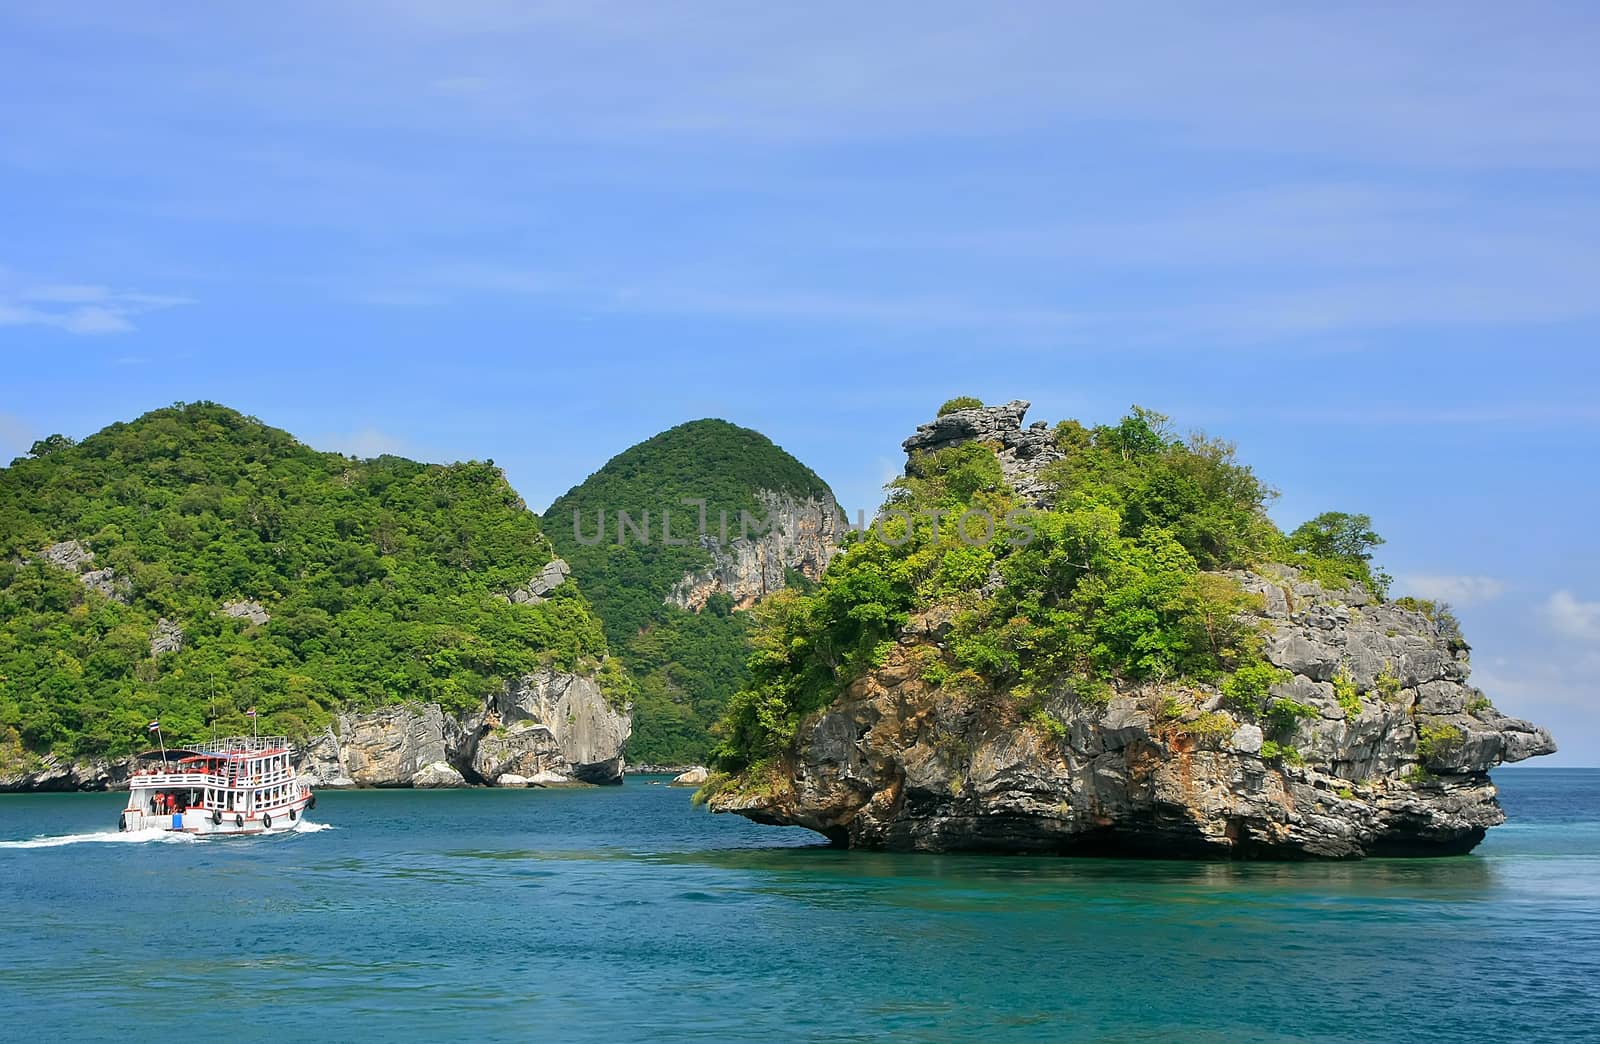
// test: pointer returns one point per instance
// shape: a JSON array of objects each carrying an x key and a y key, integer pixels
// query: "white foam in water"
[
  {"x": 124, "y": 837},
  {"x": 102, "y": 837}
]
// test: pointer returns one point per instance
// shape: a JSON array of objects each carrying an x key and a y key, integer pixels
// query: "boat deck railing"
[
  {"x": 166, "y": 778},
  {"x": 241, "y": 745}
]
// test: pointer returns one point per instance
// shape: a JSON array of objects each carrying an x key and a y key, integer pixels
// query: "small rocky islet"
[{"x": 1363, "y": 737}]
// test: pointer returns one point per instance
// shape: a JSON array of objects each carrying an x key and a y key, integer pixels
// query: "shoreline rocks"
[
  {"x": 546, "y": 728},
  {"x": 896, "y": 763}
]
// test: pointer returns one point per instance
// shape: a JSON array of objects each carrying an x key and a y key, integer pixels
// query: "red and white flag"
[
  {"x": 154, "y": 725},
  {"x": 250, "y": 713}
]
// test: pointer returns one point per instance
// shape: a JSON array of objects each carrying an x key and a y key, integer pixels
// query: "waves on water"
[
  {"x": 127, "y": 837},
  {"x": 123, "y": 837}
]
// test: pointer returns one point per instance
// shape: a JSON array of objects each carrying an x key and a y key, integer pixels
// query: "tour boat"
[{"x": 238, "y": 785}]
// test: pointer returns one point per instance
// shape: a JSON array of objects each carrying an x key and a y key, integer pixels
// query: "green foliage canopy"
[
  {"x": 687, "y": 664},
  {"x": 380, "y": 577},
  {"x": 1118, "y": 581},
  {"x": 960, "y": 402}
]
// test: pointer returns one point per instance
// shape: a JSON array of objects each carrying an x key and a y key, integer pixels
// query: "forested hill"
[
  {"x": 301, "y": 582},
  {"x": 686, "y": 664}
]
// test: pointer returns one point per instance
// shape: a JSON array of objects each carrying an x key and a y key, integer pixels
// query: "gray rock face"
[
  {"x": 247, "y": 609},
  {"x": 70, "y": 555},
  {"x": 549, "y": 723},
  {"x": 1022, "y": 451},
  {"x": 105, "y": 582},
  {"x": 166, "y": 637},
  {"x": 694, "y": 777},
  {"x": 895, "y": 763},
  {"x": 545, "y": 728},
  {"x": 436, "y": 776},
  {"x": 75, "y": 557},
  {"x": 804, "y": 535},
  {"x": 536, "y": 590},
  {"x": 389, "y": 747},
  {"x": 50, "y": 774},
  {"x": 321, "y": 760}
]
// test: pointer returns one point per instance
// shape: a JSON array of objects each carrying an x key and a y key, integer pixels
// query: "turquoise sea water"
[{"x": 625, "y": 914}]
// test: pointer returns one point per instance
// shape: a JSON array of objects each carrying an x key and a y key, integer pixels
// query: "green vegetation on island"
[
  {"x": 381, "y": 578},
  {"x": 1121, "y": 580},
  {"x": 686, "y": 664}
]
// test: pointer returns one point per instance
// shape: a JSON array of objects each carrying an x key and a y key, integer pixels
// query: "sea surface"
[{"x": 626, "y": 914}]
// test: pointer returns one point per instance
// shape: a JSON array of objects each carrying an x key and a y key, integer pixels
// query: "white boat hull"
[{"x": 204, "y": 822}]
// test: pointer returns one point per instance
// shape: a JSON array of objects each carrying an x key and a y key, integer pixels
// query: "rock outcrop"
[
  {"x": 247, "y": 609},
  {"x": 802, "y": 534},
  {"x": 165, "y": 637},
  {"x": 693, "y": 777},
  {"x": 552, "y": 576},
  {"x": 546, "y": 728},
  {"x": 437, "y": 775},
  {"x": 70, "y": 555},
  {"x": 392, "y": 747},
  {"x": 1023, "y": 452},
  {"x": 74, "y": 557},
  {"x": 548, "y": 725},
  {"x": 1379, "y": 746}
]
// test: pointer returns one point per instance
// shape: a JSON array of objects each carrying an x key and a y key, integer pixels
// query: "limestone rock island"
[{"x": 1151, "y": 668}]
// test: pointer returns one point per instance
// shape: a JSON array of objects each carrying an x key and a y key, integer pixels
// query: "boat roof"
[{"x": 190, "y": 754}]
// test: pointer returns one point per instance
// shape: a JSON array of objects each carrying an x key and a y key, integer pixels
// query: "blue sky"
[{"x": 1363, "y": 243}]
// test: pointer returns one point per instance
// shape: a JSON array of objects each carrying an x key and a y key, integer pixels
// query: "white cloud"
[
  {"x": 1418, "y": 84},
  {"x": 1573, "y": 618},
  {"x": 82, "y": 309},
  {"x": 723, "y": 296},
  {"x": 1457, "y": 590},
  {"x": 364, "y": 442}
]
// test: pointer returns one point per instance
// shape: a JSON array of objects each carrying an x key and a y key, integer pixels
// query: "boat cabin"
[{"x": 242, "y": 782}]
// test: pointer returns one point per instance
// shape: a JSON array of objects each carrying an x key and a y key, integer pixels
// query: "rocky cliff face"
[
  {"x": 1385, "y": 749},
  {"x": 804, "y": 535},
  {"x": 51, "y": 774},
  {"x": 545, "y": 728},
  {"x": 548, "y": 725},
  {"x": 895, "y": 763}
]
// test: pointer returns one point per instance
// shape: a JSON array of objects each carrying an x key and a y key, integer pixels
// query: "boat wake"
[
  {"x": 134, "y": 837},
  {"x": 120, "y": 837}
]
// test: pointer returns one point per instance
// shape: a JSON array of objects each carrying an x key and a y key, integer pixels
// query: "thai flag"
[
  {"x": 154, "y": 725},
  {"x": 250, "y": 713}
]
